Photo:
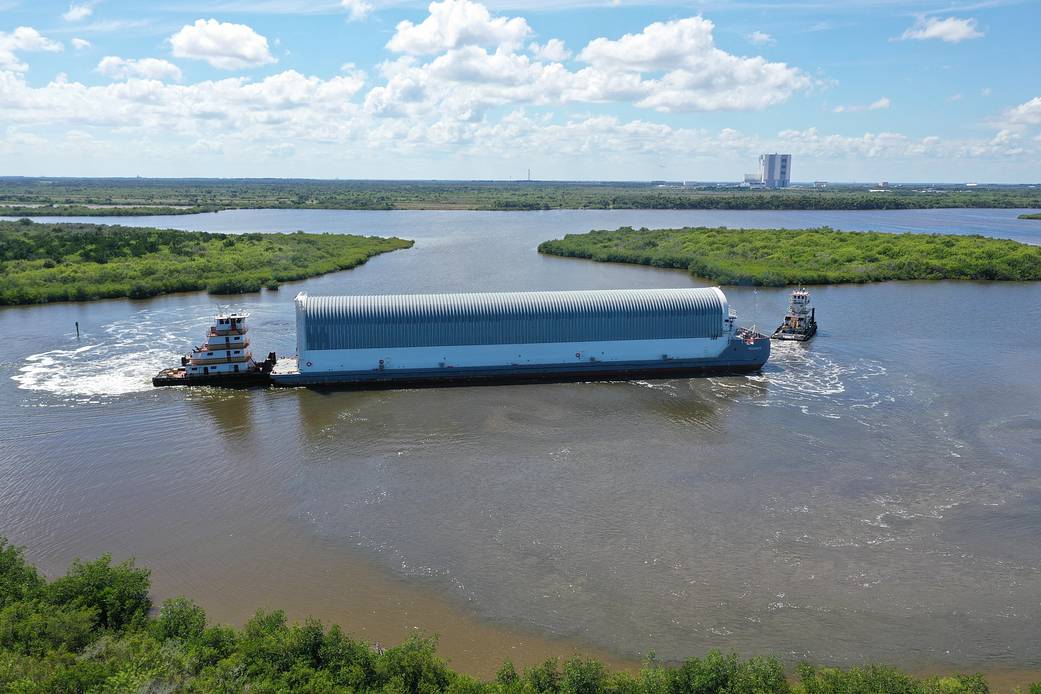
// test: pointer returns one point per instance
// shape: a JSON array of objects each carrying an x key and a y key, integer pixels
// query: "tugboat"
[
  {"x": 800, "y": 323},
  {"x": 224, "y": 359}
]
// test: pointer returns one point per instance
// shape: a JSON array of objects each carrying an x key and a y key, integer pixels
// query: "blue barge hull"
[{"x": 739, "y": 357}]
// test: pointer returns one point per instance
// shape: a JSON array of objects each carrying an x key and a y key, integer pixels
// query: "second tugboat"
[
  {"x": 800, "y": 322},
  {"x": 224, "y": 359}
]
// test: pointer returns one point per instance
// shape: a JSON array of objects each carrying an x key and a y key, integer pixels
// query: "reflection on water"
[{"x": 871, "y": 495}]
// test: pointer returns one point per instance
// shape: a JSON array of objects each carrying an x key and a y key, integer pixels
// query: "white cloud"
[
  {"x": 290, "y": 114},
  {"x": 671, "y": 66},
  {"x": 951, "y": 30},
  {"x": 80, "y": 44},
  {"x": 1024, "y": 115},
  {"x": 23, "y": 39},
  {"x": 456, "y": 23},
  {"x": 222, "y": 44},
  {"x": 954, "y": 98},
  {"x": 553, "y": 51},
  {"x": 761, "y": 38},
  {"x": 78, "y": 11},
  {"x": 145, "y": 68},
  {"x": 986, "y": 91},
  {"x": 877, "y": 105},
  {"x": 697, "y": 75},
  {"x": 357, "y": 9}
]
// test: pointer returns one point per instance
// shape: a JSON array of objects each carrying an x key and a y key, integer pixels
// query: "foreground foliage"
[
  {"x": 776, "y": 257},
  {"x": 92, "y": 630},
  {"x": 82, "y": 196},
  {"x": 77, "y": 262}
]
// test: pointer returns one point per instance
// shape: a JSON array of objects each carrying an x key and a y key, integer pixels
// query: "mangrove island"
[
  {"x": 778, "y": 257},
  {"x": 40, "y": 263}
]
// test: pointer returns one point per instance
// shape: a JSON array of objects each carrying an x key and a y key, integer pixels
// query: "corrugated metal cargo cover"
[{"x": 428, "y": 320}]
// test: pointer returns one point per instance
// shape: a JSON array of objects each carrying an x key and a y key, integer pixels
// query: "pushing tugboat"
[
  {"x": 224, "y": 359},
  {"x": 800, "y": 322}
]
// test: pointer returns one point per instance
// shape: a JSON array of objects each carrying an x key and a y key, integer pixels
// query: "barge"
[{"x": 395, "y": 341}]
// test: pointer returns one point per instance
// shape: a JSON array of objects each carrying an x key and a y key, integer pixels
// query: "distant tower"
[
  {"x": 529, "y": 175},
  {"x": 775, "y": 170}
]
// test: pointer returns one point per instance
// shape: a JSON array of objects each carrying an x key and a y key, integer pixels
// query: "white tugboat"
[
  {"x": 800, "y": 323},
  {"x": 223, "y": 359}
]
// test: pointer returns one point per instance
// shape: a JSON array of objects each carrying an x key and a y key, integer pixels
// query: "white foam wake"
[
  {"x": 121, "y": 359},
  {"x": 811, "y": 381}
]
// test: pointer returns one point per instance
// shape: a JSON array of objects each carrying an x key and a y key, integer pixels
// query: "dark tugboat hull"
[
  {"x": 800, "y": 336},
  {"x": 177, "y": 377}
]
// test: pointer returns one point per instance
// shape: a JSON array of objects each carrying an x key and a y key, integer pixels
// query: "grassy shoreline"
[
  {"x": 1031, "y": 216},
  {"x": 778, "y": 257},
  {"x": 40, "y": 263},
  {"x": 101, "y": 197},
  {"x": 96, "y": 629}
]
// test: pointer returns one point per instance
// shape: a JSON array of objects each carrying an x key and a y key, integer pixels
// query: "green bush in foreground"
[
  {"x": 93, "y": 631},
  {"x": 79, "y": 262},
  {"x": 777, "y": 257}
]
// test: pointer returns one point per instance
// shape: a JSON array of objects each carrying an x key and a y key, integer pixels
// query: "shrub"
[{"x": 118, "y": 594}]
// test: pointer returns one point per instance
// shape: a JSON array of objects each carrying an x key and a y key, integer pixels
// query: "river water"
[{"x": 872, "y": 496}]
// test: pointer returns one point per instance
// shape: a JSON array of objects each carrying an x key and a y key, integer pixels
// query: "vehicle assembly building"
[{"x": 395, "y": 340}]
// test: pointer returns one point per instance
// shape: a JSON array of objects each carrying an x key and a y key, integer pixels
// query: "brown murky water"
[{"x": 873, "y": 496}]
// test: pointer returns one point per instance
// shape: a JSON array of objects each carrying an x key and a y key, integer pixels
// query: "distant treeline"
[
  {"x": 79, "y": 262},
  {"x": 77, "y": 196},
  {"x": 778, "y": 257},
  {"x": 64, "y": 210},
  {"x": 94, "y": 630}
]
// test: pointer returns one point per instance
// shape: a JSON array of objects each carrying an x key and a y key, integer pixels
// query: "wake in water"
[
  {"x": 812, "y": 381},
  {"x": 120, "y": 360}
]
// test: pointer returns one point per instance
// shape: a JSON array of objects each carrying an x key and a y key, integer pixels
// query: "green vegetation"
[
  {"x": 1036, "y": 215},
  {"x": 59, "y": 210},
  {"x": 81, "y": 196},
  {"x": 79, "y": 262},
  {"x": 93, "y": 630},
  {"x": 776, "y": 257}
]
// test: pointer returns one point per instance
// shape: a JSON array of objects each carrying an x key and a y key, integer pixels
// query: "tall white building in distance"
[{"x": 775, "y": 170}]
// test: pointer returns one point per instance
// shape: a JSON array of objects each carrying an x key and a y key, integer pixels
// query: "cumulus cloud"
[
  {"x": 463, "y": 81},
  {"x": 357, "y": 9},
  {"x": 951, "y": 30},
  {"x": 671, "y": 66},
  {"x": 698, "y": 76},
  {"x": 80, "y": 44},
  {"x": 877, "y": 105},
  {"x": 23, "y": 39},
  {"x": 553, "y": 51},
  {"x": 145, "y": 68},
  {"x": 314, "y": 115},
  {"x": 1027, "y": 114},
  {"x": 223, "y": 45},
  {"x": 761, "y": 38},
  {"x": 456, "y": 23},
  {"x": 78, "y": 11}
]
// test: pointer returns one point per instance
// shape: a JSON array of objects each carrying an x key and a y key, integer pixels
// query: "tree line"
[
  {"x": 79, "y": 262},
  {"x": 95, "y": 629},
  {"x": 778, "y": 257}
]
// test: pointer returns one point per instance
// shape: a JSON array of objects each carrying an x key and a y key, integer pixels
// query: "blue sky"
[{"x": 858, "y": 90}]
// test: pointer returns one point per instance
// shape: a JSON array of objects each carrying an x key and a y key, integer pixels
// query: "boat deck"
[{"x": 178, "y": 377}]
